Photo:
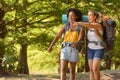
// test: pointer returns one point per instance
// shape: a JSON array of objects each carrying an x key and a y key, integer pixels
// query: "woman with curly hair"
[{"x": 72, "y": 37}]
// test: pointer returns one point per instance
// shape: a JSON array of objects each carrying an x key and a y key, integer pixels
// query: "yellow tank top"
[{"x": 71, "y": 36}]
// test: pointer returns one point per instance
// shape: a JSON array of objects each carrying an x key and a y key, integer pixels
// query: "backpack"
[
  {"x": 109, "y": 33},
  {"x": 79, "y": 46}
]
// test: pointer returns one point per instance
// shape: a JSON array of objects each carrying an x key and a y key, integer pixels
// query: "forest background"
[{"x": 28, "y": 26}]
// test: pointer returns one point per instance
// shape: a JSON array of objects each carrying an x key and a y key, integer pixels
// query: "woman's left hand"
[{"x": 74, "y": 45}]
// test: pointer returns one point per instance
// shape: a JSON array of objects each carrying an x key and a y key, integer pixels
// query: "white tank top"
[{"x": 93, "y": 37}]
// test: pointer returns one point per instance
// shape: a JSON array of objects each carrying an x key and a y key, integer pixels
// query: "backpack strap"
[
  {"x": 99, "y": 34},
  {"x": 67, "y": 25},
  {"x": 78, "y": 28}
]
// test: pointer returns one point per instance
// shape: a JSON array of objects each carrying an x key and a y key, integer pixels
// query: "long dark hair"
[{"x": 77, "y": 13}]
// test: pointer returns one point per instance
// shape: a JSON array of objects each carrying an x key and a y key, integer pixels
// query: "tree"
[{"x": 2, "y": 37}]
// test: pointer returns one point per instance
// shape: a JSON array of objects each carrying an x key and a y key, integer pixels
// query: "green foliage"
[
  {"x": 81, "y": 64},
  {"x": 39, "y": 61},
  {"x": 10, "y": 59}
]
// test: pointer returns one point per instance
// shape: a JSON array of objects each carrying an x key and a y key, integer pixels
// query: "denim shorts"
[
  {"x": 70, "y": 54},
  {"x": 95, "y": 53}
]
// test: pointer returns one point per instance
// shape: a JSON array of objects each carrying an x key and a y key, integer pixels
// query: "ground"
[{"x": 105, "y": 75}]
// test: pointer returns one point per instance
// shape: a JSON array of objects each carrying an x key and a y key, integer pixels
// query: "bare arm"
[
  {"x": 89, "y": 25},
  {"x": 81, "y": 34},
  {"x": 97, "y": 26},
  {"x": 56, "y": 39}
]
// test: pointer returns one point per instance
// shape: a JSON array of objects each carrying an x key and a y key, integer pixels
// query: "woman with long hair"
[{"x": 96, "y": 44}]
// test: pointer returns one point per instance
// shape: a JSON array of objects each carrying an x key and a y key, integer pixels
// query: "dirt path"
[{"x": 105, "y": 75}]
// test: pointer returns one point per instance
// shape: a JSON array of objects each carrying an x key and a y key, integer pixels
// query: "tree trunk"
[
  {"x": 2, "y": 52},
  {"x": 2, "y": 37},
  {"x": 23, "y": 65},
  {"x": 108, "y": 60},
  {"x": 86, "y": 69},
  {"x": 59, "y": 63}
]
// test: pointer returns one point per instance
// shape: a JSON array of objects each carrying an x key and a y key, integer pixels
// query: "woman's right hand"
[{"x": 49, "y": 49}]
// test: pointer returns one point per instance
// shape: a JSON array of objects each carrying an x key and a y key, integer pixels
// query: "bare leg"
[
  {"x": 72, "y": 70},
  {"x": 96, "y": 64},
  {"x": 90, "y": 62},
  {"x": 64, "y": 65}
]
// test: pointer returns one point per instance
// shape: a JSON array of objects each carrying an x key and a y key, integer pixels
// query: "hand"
[
  {"x": 75, "y": 24},
  {"x": 105, "y": 18},
  {"x": 74, "y": 45},
  {"x": 49, "y": 49}
]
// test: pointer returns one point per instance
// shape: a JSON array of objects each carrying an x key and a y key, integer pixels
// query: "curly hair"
[{"x": 77, "y": 13}]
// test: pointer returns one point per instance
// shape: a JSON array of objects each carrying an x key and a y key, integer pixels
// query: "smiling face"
[
  {"x": 91, "y": 17},
  {"x": 72, "y": 17}
]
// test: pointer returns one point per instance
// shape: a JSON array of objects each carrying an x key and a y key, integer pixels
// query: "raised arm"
[
  {"x": 89, "y": 25},
  {"x": 56, "y": 39},
  {"x": 97, "y": 26}
]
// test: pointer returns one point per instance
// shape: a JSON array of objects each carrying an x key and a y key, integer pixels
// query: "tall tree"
[
  {"x": 2, "y": 37},
  {"x": 22, "y": 65}
]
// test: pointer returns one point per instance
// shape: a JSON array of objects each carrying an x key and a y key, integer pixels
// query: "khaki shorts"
[{"x": 70, "y": 54}]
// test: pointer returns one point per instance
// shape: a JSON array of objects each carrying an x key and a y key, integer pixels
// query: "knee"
[
  {"x": 72, "y": 71},
  {"x": 90, "y": 68},
  {"x": 63, "y": 69},
  {"x": 95, "y": 69}
]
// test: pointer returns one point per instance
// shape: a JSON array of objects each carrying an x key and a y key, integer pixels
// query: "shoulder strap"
[
  {"x": 67, "y": 25},
  {"x": 78, "y": 28},
  {"x": 101, "y": 37},
  {"x": 98, "y": 33}
]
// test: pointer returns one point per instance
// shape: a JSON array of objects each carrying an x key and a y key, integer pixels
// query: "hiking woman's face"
[
  {"x": 91, "y": 17},
  {"x": 72, "y": 17}
]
